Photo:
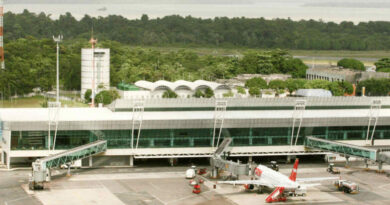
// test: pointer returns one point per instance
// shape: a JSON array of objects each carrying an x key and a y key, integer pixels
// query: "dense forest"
[
  {"x": 218, "y": 32},
  {"x": 30, "y": 63},
  {"x": 30, "y": 51}
]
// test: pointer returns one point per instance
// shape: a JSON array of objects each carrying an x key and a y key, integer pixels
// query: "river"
[{"x": 326, "y": 10}]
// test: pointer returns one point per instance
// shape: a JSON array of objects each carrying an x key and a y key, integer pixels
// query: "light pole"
[{"x": 58, "y": 41}]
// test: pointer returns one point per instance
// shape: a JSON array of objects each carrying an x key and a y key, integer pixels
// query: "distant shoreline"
[{"x": 267, "y": 9}]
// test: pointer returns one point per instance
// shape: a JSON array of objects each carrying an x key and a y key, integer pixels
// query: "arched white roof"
[
  {"x": 183, "y": 83},
  {"x": 180, "y": 84},
  {"x": 211, "y": 85},
  {"x": 162, "y": 84},
  {"x": 145, "y": 84}
]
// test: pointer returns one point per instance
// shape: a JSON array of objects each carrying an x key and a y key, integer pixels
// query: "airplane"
[{"x": 284, "y": 186}]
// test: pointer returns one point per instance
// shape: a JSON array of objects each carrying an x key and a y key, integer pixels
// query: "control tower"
[{"x": 100, "y": 71}]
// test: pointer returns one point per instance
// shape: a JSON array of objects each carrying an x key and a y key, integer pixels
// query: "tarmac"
[{"x": 167, "y": 185}]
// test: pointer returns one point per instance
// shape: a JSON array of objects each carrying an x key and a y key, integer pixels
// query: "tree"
[
  {"x": 241, "y": 90},
  {"x": 106, "y": 96},
  {"x": 351, "y": 63},
  {"x": 228, "y": 94},
  {"x": 335, "y": 88},
  {"x": 374, "y": 87},
  {"x": 347, "y": 87},
  {"x": 277, "y": 85},
  {"x": 256, "y": 82},
  {"x": 254, "y": 91},
  {"x": 180, "y": 31},
  {"x": 199, "y": 94},
  {"x": 317, "y": 84},
  {"x": 295, "y": 67},
  {"x": 144, "y": 18},
  {"x": 295, "y": 84},
  {"x": 169, "y": 94},
  {"x": 87, "y": 95},
  {"x": 383, "y": 65},
  {"x": 208, "y": 93},
  {"x": 257, "y": 62}
]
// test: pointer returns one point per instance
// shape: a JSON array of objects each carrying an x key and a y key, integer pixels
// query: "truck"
[
  {"x": 346, "y": 186},
  {"x": 191, "y": 172},
  {"x": 332, "y": 169}
]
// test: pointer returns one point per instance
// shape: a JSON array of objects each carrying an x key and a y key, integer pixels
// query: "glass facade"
[{"x": 166, "y": 138}]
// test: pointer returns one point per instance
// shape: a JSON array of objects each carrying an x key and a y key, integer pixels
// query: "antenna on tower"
[
  {"x": 2, "y": 65},
  {"x": 93, "y": 43}
]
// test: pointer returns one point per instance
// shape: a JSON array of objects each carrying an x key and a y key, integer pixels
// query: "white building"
[
  {"x": 101, "y": 69},
  {"x": 182, "y": 128},
  {"x": 184, "y": 89}
]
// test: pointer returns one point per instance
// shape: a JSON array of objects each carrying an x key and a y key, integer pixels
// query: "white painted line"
[{"x": 156, "y": 187}]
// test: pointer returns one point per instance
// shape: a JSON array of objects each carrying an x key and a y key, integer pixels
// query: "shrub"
[
  {"x": 169, "y": 94},
  {"x": 351, "y": 63},
  {"x": 87, "y": 95}
]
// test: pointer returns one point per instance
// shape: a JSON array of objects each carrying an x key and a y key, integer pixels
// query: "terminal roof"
[{"x": 105, "y": 114}]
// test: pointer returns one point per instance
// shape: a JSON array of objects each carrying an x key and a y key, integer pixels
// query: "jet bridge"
[
  {"x": 377, "y": 155},
  {"x": 218, "y": 162},
  {"x": 41, "y": 167},
  {"x": 342, "y": 148}
]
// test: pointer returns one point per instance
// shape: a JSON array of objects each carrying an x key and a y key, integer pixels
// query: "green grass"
[
  {"x": 319, "y": 53},
  {"x": 327, "y": 56},
  {"x": 35, "y": 102}
]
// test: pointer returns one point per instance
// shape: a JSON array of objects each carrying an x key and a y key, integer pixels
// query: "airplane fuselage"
[{"x": 275, "y": 178}]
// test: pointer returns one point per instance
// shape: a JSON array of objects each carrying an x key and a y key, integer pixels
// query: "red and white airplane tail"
[
  {"x": 282, "y": 184},
  {"x": 293, "y": 175},
  {"x": 277, "y": 194}
]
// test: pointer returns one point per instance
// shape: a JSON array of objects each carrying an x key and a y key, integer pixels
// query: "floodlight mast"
[{"x": 58, "y": 41}]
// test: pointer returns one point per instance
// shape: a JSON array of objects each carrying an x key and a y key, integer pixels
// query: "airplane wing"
[
  {"x": 254, "y": 182},
  {"x": 310, "y": 185},
  {"x": 316, "y": 179}
]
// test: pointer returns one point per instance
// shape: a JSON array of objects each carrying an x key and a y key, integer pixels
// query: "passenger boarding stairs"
[{"x": 41, "y": 167}]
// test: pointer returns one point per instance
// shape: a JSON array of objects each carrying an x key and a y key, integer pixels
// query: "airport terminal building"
[{"x": 177, "y": 128}]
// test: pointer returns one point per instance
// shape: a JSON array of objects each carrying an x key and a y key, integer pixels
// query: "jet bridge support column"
[
  {"x": 214, "y": 173},
  {"x": 380, "y": 166},
  {"x": 131, "y": 161},
  {"x": 346, "y": 161},
  {"x": 2, "y": 158},
  {"x": 8, "y": 158},
  {"x": 90, "y": 161},
  {"x": 68, "y": 172},
  {"x": 366, "y": 163}
]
